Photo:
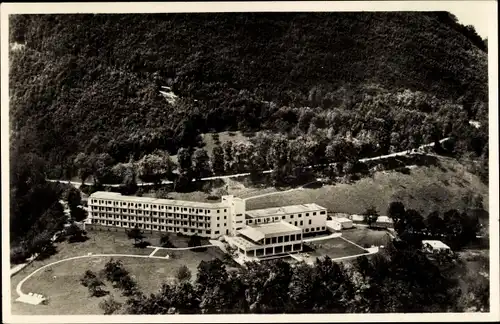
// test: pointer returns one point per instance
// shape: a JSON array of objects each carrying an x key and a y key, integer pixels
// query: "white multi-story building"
[
  {"x": 112, "y": 210},
  {"x": 280, "y": 228}
]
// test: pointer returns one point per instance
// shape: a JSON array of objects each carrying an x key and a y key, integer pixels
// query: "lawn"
[
  {"x": 68, "y": 297},
  {"x": 425, "y": 189},
  {"x": 333, "y": 247},
  {"x": 366, "y": 237}
]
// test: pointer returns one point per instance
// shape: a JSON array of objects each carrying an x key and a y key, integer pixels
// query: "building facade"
[
  {"x": 113, "y": 211},
  {"x": 267, "y": 240}
]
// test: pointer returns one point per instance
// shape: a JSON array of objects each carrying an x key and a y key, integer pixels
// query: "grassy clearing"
[
  {"x": 235, "y": 137},
  {"x": 425, "y": 189},
  {"x": 210, "y": 143},
  {"x": 68, "y": 297},
  {"x": 366, "y": 237}
]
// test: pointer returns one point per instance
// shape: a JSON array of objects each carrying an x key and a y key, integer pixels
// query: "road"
[{"x": 380, "y": 157}]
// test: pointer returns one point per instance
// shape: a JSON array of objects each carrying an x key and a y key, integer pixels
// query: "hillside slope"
[
  {"x": 425, "y": 189},
  {"x": 91, "y": 82}
]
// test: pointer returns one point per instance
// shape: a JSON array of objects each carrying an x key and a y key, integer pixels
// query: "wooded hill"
[{"x": 90, "y": 83}]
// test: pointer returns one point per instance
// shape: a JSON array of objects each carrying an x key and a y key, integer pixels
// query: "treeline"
[
  {"x": 35, "y": 212},
  {"x": 398, "y": 280},
  {"x": 90, "y": 83}
]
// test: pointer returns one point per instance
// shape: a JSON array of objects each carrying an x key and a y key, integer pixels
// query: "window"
[
  {"x": 225, "y": 217},
  {"x": 295, "y": 223},
  {"x": 307, "y": 214},
  {"x": 300, "y": 215},
  {"x": 208, "y": 232},
  {"x": 268, "y": 241},
  {"x": 218, "y": 225},
  {"x": 273, "y": 240},
  {"x": 282, "y": 217},
  {"x": 310, "y": 222},
  {"x": 225, "y": 224},
  {"x": 216, "y": 232},
  {"x": 314, "y": 214},
  {"x": 323, "y": 228},
  {"x": 225, "y": 210},
  {"x": 280, "y": 239},
  {"x": 291, "y": 216},
  {"x": 307, "y": 230},
  {"x": 218, "y": 211},
  {"x": 250, "y": 221},
  {"x": 218, "y": 218},
  {"x": 301, "y": 223},
  {"x": 317, "y": 228},
  {"x": 287, "y": 238}
]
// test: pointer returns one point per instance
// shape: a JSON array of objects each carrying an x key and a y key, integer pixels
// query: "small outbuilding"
[
  {"x": 384, "y": 222},
  {"x": 339, "y": 223},
  {"x": 435, "y": 246}
]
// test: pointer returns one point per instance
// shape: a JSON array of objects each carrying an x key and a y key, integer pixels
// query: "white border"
[{"x": 488, "y": 9}]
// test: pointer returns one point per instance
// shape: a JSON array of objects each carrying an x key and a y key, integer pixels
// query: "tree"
[
  {"x": 95, "y": 287},
  {"x": 370, "y": 215},
  {"x": 185, "y": 160},
  {"x": 397, "y": 213},
  {"x": 218, "y": 160},
  {"x": 75, "y": 234},
  {"x": 435, "y": 224},
  {"x": 201, "y": 165},
  {"x": 183, "y": 273},
  {"x": 87, "y": 278},
  {"x": 165, "y": 241},
  {"x": 84, "y": 166},
  {"x": 135, "y": 234},
  {"x": 155, "y": 167},
  {"x": 228, "y": 155},
  {"x": 195, "y": 241},
  {"x": 110, "y": 306},
  {"x": 74, "y": 198}
]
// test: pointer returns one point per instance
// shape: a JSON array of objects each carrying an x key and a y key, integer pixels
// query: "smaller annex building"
[
  {"x": 339, "y": 223},
  {"x": 434, "y": 246},
  {"x": 267, "y": 240}
]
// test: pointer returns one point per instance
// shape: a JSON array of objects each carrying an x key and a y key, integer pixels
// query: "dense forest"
[{"x": 90, "y": 83}]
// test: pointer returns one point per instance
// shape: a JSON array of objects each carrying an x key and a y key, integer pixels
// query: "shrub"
[{"x": 183, "y": 273}]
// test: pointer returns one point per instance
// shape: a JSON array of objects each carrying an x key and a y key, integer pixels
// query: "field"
[
  {"x": 60, "y": 282},
  {"x": 333, "y": 247},
  {"x": 208, "y": 140},
  {"x": 425, "y": 189}
]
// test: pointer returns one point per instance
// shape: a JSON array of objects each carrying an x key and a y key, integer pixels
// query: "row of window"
[
  {"x": 282, "y": 239},
  {"x": 161, "y": 221},
  {"x": 154, "y": 227},
  {"x": 284, "y": 217},
  {"x": 276, "y": 250},
  {"x": 170, "y": 216},
  {"x": 153, "y": 206}
]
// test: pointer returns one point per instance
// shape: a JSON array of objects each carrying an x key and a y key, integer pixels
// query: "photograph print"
[{"x": 164, "y": 163}]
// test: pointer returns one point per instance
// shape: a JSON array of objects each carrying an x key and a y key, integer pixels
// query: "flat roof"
[
  {"x": 241, "y": 242},
  {"x": 436, "y": 244},
  {"x": 151, "y": 200},
  {"x": 278, "y": 211},
  {"x": 258, "y": 232},
  {"x": 341, "y": 219}
]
